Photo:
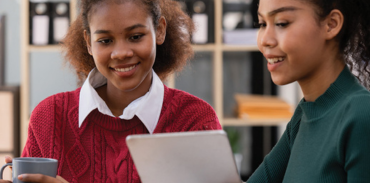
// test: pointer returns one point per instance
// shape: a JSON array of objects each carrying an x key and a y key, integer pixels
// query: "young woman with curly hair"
[
  {"x": 122, "y": 49},
  {"x": 317, "y": 43}
]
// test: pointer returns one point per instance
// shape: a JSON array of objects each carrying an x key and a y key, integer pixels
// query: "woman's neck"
[
  {"x": 318, "y": 82},
  {"x": 118, "y": 100}
]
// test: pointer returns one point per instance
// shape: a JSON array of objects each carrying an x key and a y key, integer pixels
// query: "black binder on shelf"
[
  {"x": 39, "y": 22},
  {"x": 244, "y": 21},
  {"x": 60, "y": 20},
  {"x": 237, "y": 23},
  {"x": 202, "y": 13}
]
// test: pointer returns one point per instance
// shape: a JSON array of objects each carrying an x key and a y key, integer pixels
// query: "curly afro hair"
[{"x": 172, "y": 55}]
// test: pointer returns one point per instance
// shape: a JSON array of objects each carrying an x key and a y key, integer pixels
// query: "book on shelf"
[
  {"x": 39, "y": 22},
  {"x": 262, "y": 107},
  {"x": 49, "y": 21},
  {"x": 202, "y": 14},
  {"x": 60, "y": 20}
]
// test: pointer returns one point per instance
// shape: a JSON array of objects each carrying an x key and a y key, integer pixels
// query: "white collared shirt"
[{"x": 147, "y": 108}]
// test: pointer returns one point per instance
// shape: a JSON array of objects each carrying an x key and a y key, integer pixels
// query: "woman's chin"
[{"x": 281, "y": 81}]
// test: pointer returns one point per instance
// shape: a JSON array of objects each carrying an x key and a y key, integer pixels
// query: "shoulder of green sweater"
[
  {"x": 354, "y": 125},
  {"x": 356, "y": 107}
]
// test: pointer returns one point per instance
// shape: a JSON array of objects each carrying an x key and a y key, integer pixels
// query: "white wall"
[
  {"x": 12, "y": 41},
  {"x": 48, "y": 75}
]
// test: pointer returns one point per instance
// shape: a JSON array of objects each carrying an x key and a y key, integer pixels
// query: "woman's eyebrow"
[
  {"x": 101, "y": 32},
  {"x": 134, "y": 27},
  {"x": 279, "y": 10},
  {"x": 126, "y": 29}
]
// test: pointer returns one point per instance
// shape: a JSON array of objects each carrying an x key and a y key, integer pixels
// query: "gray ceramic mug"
[{"x": 45, "y": 166}]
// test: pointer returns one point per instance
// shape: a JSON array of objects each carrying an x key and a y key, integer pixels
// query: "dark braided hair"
[
  {"x": 171, "y": 56},
  {"x": 354, "y": 37}
]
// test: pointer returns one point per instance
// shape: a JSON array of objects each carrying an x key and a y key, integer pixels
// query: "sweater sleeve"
[
  {"x": 40, "y": 130},
  {"x": 193, "y": 113},
  {"x": 354, "y": 143},
  {"x": 203, "y": 117},
  {"x": 31, "y": 148},
  {"x": 273, "y": 167}
]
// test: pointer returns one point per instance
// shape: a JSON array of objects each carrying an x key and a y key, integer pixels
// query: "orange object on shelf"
[{"x": 262, "y": 107}]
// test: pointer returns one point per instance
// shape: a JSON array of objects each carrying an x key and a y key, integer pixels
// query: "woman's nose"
[
  {"x": 267, "y": 37},
  {"x": 121, "y": 51}
]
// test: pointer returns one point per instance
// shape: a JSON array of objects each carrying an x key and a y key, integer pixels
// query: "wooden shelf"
[
  {"x": 225, "y": 47},
  {"x": 46, "y": 48},
  {"x": 204, "y": 47},
  {"x": 254, "y": 122},
  {"x": 240, "y": 48}
]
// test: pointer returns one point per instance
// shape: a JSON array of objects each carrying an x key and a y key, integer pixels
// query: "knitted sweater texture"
[
  {"x": 97, "y": 151},
  {"x": 325, "y": 141}
]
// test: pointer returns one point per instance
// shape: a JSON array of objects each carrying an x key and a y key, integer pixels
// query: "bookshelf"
[
  {"x": 26, "y": 49},
  {"x": 217, "y": 50}
]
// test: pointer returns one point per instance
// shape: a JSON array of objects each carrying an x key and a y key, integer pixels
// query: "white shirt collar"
[{"x": 147, "y": 108}]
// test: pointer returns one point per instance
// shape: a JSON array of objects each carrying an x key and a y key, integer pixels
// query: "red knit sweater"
[{"x": 97, "y": 151}]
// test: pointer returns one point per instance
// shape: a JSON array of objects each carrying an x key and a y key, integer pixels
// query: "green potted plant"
[{"x": 234, "y": 139}]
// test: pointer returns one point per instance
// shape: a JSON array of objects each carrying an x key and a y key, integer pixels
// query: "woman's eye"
[
  {"x": 105, "y": 41},
  {"x": 282, "y": 24},
  {"x": 259, "y": 25},
  {"x": 136, "y": 37}
]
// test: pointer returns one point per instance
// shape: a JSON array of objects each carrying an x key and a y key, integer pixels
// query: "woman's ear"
[
  {"x": 334, "y": 23},
  {"x": 161, "y": 31},
  {"x": 88, "y": 41}
]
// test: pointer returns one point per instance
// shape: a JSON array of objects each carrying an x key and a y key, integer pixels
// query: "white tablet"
[{"x": 184, "y": 157}]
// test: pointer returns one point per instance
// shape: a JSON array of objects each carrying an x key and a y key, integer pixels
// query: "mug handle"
[{"x": 2, "y": 169}]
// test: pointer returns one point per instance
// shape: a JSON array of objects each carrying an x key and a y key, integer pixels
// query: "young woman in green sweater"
[{"x": 318, "y": 43}]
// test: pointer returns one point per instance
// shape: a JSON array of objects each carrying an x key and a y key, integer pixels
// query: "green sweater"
[{"x": 325, "y": 141}]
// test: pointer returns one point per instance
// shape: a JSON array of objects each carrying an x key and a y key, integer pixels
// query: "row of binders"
[{"x": 49, "y": 21}]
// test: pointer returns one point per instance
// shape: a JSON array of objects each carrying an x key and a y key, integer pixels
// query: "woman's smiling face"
[
  {"x": 123, "y": 43},
  {"x": 291, "y": 38}
]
